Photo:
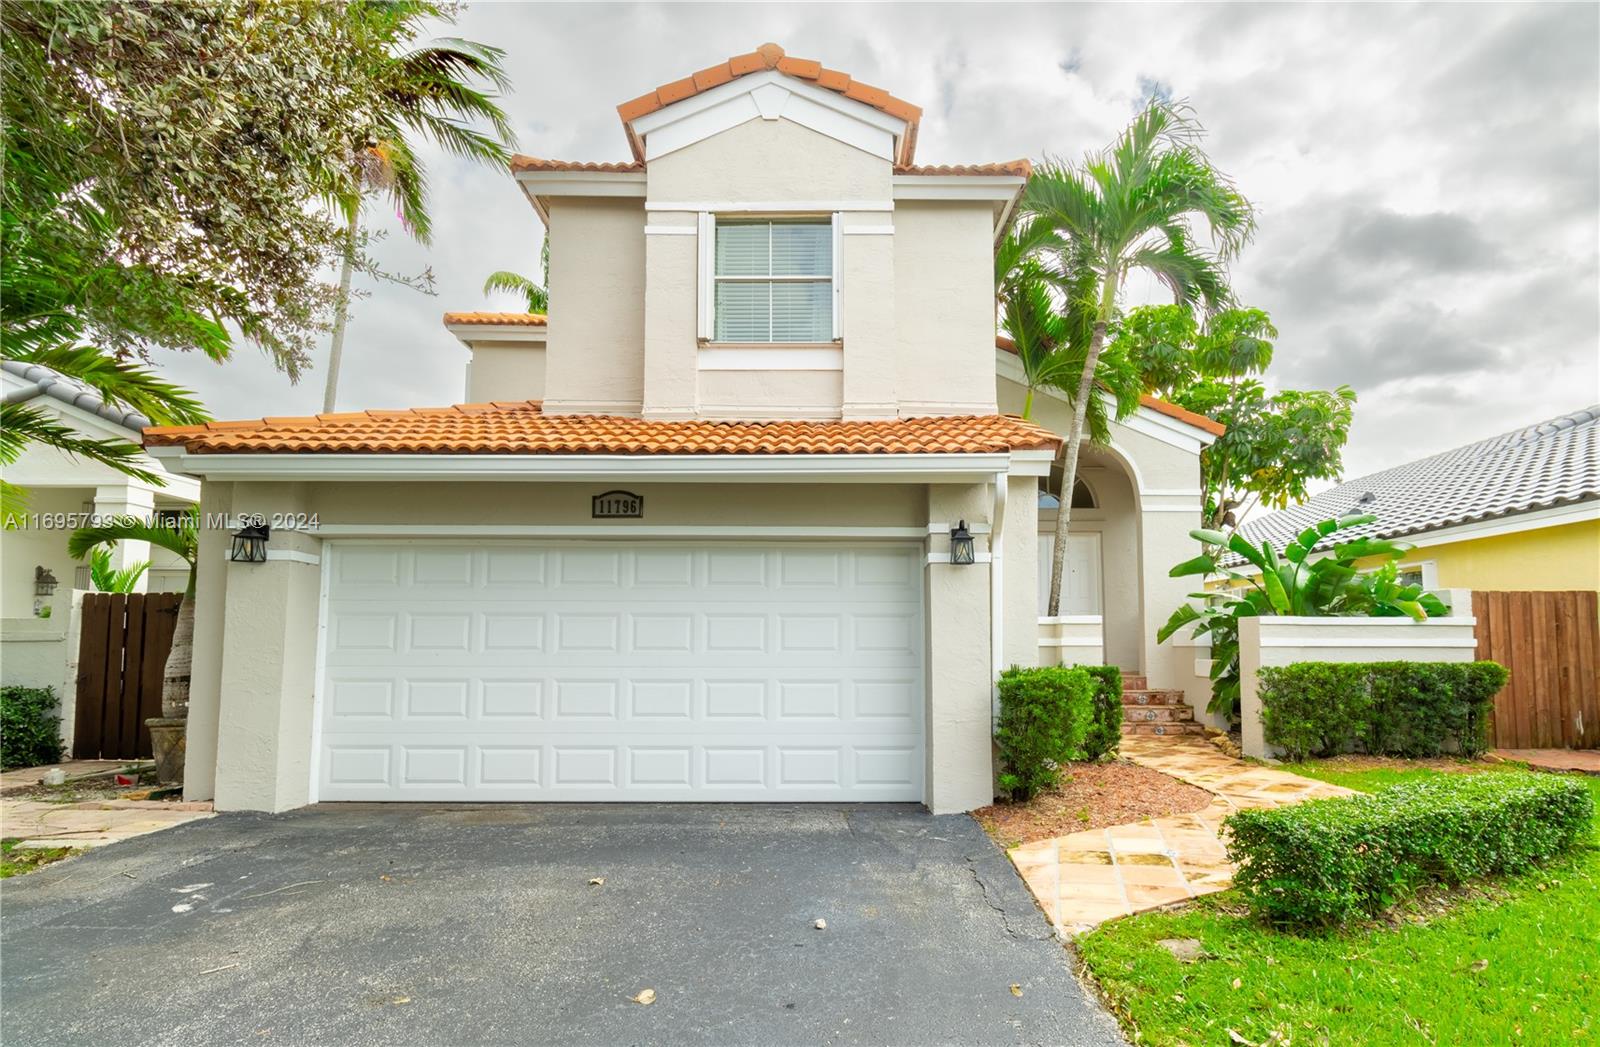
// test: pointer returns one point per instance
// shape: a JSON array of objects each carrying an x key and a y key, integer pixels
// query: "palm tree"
[
  {"x": 1129, "y": 207},
  {"x": 537, "y": 295},
  {"x": 426, "y": 90},
  {"x": 108, "y": 579},
  {"x": 181, "y": 536}
]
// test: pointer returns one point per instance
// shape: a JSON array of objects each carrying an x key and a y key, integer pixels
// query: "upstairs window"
[{"x": 773, "y": 280}]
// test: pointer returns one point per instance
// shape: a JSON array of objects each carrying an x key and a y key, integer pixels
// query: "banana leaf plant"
[{"x": 1290, "y": 583}]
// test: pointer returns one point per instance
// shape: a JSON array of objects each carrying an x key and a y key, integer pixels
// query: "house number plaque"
[{"x": 617, "y": 505}]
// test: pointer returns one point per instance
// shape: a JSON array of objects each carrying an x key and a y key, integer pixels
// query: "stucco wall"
[
  {"x": 1285, "y": 641},
  {"x": 506, "y": 371},
  {"x": 1021, "y": 565},
  {"x": 960, "y": 710},
  {"x": 251, "y": 713},
  {"x": 205, "y": 673},
  {"x": 1549, "y": 558},
  {"x": 812, "y": 395},
  {"x": 595, "y": 352},
  {"x": 762, "y": 161},
  {"x": 944, "y": 307},
  {"x": 24, "y": 548}
]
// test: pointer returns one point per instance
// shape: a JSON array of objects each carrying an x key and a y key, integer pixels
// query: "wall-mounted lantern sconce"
[
  {"x": 44, "y": 583},
  {"x": 961, "y": 551},
  {"x": 250, "y": 543}
]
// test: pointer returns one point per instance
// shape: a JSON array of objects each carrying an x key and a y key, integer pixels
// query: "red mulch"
[{"x": 1091, "y": 796}]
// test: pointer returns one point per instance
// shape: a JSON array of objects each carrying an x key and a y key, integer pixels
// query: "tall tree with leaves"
[
  {"x": 428, "y": 90},
  {"x": 1275, "y": 443},
  {"x": 1134, "y": 206}
]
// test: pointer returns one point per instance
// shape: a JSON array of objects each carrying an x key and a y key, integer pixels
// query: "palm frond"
[
  {"x": 118, "y": 381},
  {"x": 181, "y": 537},
  {"x": 21, "y": 424},
  {"x": 503, "y": 280}
]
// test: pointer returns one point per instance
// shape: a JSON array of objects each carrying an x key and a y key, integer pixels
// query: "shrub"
[
  {"x": 1044, "y": 716},
  {"x": 1322, "y": 862},
  {"x": 1390, "y": 708},
  {"x": 1105, "y": 727},
  {"x": 30, "y": 732}
]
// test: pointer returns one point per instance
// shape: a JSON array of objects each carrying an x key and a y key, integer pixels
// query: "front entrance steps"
[{"x": 1155, "y": 711}]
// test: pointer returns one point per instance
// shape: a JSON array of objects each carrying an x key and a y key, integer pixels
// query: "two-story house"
[{"x": 702, "y": 533}]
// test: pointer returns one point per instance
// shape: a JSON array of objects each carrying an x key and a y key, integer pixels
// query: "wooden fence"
[
  {"x": 121, "y": 653},
  {"x": 1551, "y": 643}
]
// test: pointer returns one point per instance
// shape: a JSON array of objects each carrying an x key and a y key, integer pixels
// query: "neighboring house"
[
  {"x": 691, "y": 538},
  {"x": 64, "y": 492},
  {"x": 1519, "y": 511}
]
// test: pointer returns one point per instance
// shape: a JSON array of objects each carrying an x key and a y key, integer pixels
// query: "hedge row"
[
  {"x": 1322, "y": 862},
  {"x": 1105, "y": 725},
  {"x": 1051, "y": 715},
  {"x": 1391, "y": 708},
  {"x": 30, "y": 730}
]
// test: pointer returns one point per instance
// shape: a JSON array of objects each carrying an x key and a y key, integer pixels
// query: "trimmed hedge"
[
  {"x": 30, "y": 730},
  {"x": 1105, "y": 729},
  {"x": 1388, "y": 708},
  {"x": 1322, "y": 862},
  {"x": 1045, "y": 715}
]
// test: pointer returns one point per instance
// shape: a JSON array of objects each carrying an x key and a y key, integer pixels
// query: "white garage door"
[{"x": 622, "y": 671}]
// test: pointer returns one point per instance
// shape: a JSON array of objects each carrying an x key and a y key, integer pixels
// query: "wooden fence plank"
[
  {"x": 161, "y": 618},
  {"x": 111, "y": 710},
  {"x": 92, "y": 646},
  {"x": 132, "y": 663},
  {"x": 1550, "y": 641}
]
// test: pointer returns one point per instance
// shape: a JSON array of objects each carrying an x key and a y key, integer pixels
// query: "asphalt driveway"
[{"x": 367, "y": 924}]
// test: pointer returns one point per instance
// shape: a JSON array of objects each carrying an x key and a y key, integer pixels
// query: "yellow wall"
[{"x": 1564, "y": 557}]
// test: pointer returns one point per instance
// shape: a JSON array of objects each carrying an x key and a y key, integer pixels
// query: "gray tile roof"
[
  {"x": 35, "y": 380},
  {"x": 1537, "y": 467}
]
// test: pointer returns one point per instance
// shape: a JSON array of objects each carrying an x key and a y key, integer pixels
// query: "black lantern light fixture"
[
  {"x": 44, "y": 583},
  {"x": 961, "y": 551},
  {"x": 250, "y": 543}
]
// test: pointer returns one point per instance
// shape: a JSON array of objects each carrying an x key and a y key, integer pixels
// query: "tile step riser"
[
  {"x": 1153, "y": 698},
  {"x": 1167, "y": 729},
  {"x": 1157, "y": 714}
]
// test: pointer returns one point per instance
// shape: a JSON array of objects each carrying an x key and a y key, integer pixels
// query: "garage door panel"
[{"x": 589, "y": 671}]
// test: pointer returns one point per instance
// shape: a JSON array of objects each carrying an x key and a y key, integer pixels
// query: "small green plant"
[
  {"x": 30, "y": 730},
  {"x": 107, "y": 579},
  {"x": 1292, "y": 584},
  {"x": 1388, "y": 708},
  {"x": 1105, "y": 729},
  {"x": 1323, "y": 862},
  {"x": 1045, "y": 715}
]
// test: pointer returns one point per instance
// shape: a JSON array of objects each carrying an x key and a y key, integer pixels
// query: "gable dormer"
[{"x": 770, "y": 251}]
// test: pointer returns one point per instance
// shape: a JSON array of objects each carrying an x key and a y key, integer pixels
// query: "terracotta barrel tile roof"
[
  {"x": 1199, "y": 421},
  {"x": 1015, "y": 168},
  {"x": 522, "y": 428},
  {"x": 771, "y": 56},
  {"x": 486, "y": 319},
  {"x": 520, "y": 162}
]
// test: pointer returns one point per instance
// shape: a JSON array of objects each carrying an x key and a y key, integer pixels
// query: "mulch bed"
[{"x": 1091, "y": 796}]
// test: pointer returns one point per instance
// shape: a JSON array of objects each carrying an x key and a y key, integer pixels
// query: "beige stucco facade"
[
  {"x": 626, "y": 335},
  {"x": 254, "y": 688}
]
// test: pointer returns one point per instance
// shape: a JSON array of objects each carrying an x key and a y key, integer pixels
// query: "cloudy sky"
[{"x": 1428, "y": 179}]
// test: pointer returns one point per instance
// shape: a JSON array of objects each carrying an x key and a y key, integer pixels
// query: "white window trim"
[{"x": 706, "y": 228}]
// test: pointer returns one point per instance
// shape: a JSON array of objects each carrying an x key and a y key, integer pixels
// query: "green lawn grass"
[
  {"x": 1515, "y": 961},
  {"x": 14, "y": 860}
]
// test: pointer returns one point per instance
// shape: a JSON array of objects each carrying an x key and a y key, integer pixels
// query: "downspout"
[{"x": 997, "y": 616}]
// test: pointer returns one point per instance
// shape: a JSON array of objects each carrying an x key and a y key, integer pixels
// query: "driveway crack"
[{"x": 1001, "y": 910}]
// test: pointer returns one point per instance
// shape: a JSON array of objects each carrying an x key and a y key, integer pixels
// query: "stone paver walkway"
[
  {"x": 1085, "y": 878},
  {"x": 1586, "y": 761},
  {"x": 91, "y": 823},
  {"x": 24, "y": 778}
]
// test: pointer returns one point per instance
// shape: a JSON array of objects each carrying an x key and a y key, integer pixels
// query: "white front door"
[
  {"x": 622, "y": 671},
  {"x": 1080, "y": 588}
]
